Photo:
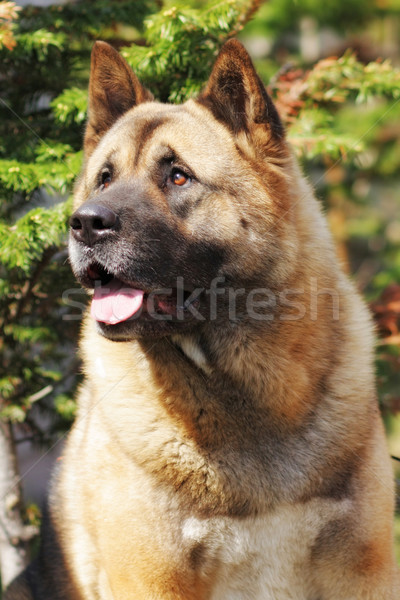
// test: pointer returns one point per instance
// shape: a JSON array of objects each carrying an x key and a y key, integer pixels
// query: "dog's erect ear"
[
  {"x": 113, "y": 89},
  {"x": 236, "y": 96}
]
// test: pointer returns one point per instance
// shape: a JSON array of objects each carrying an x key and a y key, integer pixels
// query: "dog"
[{"x": 228, "y": 444}]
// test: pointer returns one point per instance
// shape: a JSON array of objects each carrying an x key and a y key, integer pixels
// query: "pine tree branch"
[
  {"x": 27, "y": 292},
  {"x": 245, "y": 17}
]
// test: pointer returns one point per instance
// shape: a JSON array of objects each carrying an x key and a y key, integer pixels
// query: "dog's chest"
[{"x": 258, "y": 558}]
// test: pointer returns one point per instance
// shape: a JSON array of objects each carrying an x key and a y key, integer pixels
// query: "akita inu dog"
[{"x": 228, "y": 444}]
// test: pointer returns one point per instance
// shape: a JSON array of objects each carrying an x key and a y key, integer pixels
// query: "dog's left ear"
[
  {"x": 236, "y": 95},
  {"x": 113, "y": 90}
]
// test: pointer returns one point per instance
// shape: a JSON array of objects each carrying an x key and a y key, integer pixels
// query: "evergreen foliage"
[
  {"x": 310, "y": 101},
  {"x": 181, "y": 45}
]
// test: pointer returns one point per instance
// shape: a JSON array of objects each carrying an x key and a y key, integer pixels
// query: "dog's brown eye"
[
  {"x": 105, "y": 179},
  {"x": 179, "y": 178}
]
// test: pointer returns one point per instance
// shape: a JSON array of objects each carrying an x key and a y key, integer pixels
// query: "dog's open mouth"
[{"x": 115, "y": 301}]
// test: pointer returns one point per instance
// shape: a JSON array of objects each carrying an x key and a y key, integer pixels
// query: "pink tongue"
[{"x": 114, "y": 302}]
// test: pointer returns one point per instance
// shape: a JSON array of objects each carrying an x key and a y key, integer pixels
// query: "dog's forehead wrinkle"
[
  {"x": 177, "y": 124},
  {"x": 142, "y": 137}
]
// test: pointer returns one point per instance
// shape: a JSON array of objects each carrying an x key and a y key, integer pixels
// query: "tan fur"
[{"x": 235, "y": 458}]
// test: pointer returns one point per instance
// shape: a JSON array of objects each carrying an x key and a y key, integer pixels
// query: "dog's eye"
[
  {"x": 178, "y": 177},
  {"x": 105, "y": 179}
]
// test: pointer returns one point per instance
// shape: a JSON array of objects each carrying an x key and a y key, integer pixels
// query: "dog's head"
[{"x": 175, "y": 198}]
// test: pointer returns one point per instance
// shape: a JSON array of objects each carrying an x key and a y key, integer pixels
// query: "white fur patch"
[
  {"x": 261, "y": 558},
  {"x": 100, "y": 367},
  {"x": 192, "y": 350}
]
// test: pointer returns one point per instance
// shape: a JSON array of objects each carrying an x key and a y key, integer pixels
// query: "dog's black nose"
[{"x": 92, "y": 222}]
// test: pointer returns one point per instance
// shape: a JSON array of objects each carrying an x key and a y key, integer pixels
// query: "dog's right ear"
[{"x": 113, "y": 90}]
